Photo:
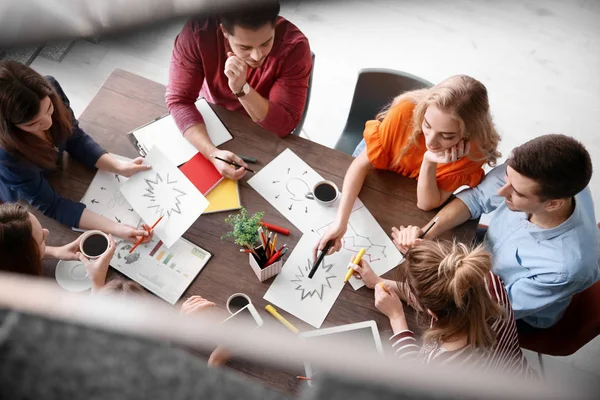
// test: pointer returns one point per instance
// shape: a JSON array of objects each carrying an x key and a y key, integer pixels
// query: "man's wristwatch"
[{"x": 245, "y": 90}]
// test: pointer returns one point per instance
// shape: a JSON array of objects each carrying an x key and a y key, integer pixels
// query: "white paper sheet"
[
  {"x": 308, "y": 299},
  {"x": 166, "y": 272},
  {"x": 104, "y": 197},
  {"x": 285, "y": 181},
  {"x": 165, "y": 134},
  {"x": 164, "y": 190}
]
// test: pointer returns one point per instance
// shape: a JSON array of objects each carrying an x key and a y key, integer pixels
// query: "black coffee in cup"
[
  {"x": 95, "y": 245},
  {"x": 237, "y": 303},
  {"x": 325, "y": 192}
]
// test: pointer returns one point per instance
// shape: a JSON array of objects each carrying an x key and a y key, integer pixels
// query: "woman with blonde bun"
[{"x": 468, "y": 319}]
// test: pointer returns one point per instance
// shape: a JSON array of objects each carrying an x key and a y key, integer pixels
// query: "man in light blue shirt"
[{"x": 543, "y": 234}]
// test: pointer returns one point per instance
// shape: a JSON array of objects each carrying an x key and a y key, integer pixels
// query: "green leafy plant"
[{"x": 245, "y": 228}]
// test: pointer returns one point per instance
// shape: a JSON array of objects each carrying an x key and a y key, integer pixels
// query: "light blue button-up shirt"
[{"x": 541, "y": 268}]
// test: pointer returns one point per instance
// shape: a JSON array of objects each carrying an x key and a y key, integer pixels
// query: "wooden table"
[{"x": 127, "y": 101}]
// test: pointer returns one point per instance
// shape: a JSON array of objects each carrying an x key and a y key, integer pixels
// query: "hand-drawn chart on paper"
[
  {"x": 287, "y": 182},
  {"x": 308, "y": 299},
  {"x": 166, "y": 272},
  {"x": 104, "y": 197},
  {"x": 164, "y": 191},
  {"x": 364, "y": 232}
]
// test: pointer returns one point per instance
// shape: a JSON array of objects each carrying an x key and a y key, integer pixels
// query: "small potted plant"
[{"x": 247, "y": 232}]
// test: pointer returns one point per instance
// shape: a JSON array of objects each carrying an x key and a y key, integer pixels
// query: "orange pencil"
[
  {"x": 144, "y": 237},
  {"x": 384, "y": 288},
  {"x": 303, "y": 378}
]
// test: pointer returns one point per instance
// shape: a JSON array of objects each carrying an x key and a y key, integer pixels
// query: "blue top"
[
  {"x": 23, "y": 180},
  {"x": 541, "y": 268}
]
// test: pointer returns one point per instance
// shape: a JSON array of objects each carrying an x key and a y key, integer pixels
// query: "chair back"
[
  {"x": 579, "y": 325},
  {"x": 298, "y": 128},
  {"x": 375, "y": 88}
]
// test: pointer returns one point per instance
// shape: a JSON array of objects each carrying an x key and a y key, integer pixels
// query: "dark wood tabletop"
[{"x": 127, "y": 101}]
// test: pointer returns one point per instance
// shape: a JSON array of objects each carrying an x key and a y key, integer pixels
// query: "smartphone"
[{"x": 248, "y": 312}]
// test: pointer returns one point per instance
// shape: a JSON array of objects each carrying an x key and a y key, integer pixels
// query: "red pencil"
[
  {"x": 144, "y": 237},
  {"x": 275, "y": 256},
  {"x": 276, "y": 228}
]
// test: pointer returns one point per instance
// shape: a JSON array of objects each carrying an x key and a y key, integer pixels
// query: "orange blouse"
[{"x": 386, "y": 139}]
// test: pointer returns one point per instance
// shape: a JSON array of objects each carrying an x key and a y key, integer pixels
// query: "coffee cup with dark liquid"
[
  {"x": 93, "y": 244},
  {"x": 236, "y": 302},
  {"x": 325, "y": 193}
]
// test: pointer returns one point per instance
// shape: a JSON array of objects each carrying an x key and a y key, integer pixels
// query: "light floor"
[{"x": 540, "y": 61}]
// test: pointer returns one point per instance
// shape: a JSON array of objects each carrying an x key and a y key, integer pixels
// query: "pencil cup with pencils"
[
  {"x": 260, "y": 265},
  {"x": 266, "y": 259}
]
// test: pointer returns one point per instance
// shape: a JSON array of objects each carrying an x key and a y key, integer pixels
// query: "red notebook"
[{"x": 202, "y": 173}]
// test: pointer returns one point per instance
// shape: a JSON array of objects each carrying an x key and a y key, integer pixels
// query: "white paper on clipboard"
[{"x": 165, "y": 134}]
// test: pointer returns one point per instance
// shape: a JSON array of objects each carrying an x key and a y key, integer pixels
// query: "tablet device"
[{"x": 363, "y": 332}]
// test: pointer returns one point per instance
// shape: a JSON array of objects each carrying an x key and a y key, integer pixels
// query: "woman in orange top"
[{"x": 440, "y": 136}]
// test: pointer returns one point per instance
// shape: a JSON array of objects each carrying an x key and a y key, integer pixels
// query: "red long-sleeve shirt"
[{"x": 197, "y": 69}]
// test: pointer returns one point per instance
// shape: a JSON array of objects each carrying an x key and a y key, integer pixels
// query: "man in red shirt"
[{"x": 251, "y": 61}]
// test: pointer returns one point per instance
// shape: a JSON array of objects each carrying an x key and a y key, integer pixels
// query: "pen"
[
  {"x": 271, "y": 310},
  {"x": 144, "y": 237},
  {"x": 232, "y": 163},
  {"x": 356, "y": 261},
  {"x": 319, "y": 259},
  {"x": 428, "y": 229}
]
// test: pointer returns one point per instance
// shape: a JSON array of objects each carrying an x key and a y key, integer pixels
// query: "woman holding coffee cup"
[
  {"x": 441, "y": 136},
  {"x": 23, "y": 246}
]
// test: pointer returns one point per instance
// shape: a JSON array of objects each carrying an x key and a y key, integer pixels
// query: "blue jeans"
[{"x": 359, "y": 148}]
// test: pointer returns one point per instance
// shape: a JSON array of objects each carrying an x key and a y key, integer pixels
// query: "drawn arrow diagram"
[
  {"x": 102, "y": 188},
  {"x": 94, "y": 201},
  {"x": 118, "y": 220}
]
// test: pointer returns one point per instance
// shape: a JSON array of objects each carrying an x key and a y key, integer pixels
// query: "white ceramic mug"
[
  {"x": 233, "y": 296},
  {"x": 87, "y": 235},
  {"x": 327, "y": 203}
]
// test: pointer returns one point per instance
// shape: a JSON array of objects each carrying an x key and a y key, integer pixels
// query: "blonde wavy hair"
[
  {"x": 466, "y": 100},
  {"x": 450, "y": 279}
]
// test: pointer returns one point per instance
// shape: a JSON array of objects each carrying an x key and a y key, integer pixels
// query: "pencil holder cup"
[{"x": 265, "y": 273}]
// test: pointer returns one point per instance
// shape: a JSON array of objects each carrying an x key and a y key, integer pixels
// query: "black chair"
[
  {"x": 298, "y": 129},
  {"x": 375, "y": 88}
]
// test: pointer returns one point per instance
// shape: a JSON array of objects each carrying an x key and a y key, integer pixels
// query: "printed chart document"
[
  {"x": 166, "y": 272},
  {"x": 165, "y": 134}
]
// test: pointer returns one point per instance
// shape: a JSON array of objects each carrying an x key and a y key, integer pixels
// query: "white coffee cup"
[
  {"x": 87, "y": 235},
  {"x": 324, "y": 193},
  {"x": 237, "y": 302}
]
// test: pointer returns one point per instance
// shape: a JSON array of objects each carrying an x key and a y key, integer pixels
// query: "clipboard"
[{"x": 163, "y": 131}]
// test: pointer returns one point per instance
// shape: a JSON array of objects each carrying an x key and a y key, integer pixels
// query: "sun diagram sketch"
[
  {"x": 104, "y": 197},
  {"x": 287, "y": 183},
  {"x": 164, "y": 191},
  {"x": 308, "y": 299},
  {"x": 310, "y": 288},
  {"x": 164, "y": 205}
]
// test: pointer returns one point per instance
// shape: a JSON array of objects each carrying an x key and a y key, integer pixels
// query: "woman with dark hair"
[
  {"x": 23, "y": 246},
  {"x": 36, "y": 127}
]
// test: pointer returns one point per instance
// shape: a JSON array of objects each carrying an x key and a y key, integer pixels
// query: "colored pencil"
[
  {"x": 232, "y": 163},
  {"x": 384, "y": 288},
  {"x": 303, "y": 378},
  {"x": 144, "y": 237},
  {"x": 319, "y": 259},
  {"x": 276, "y": 228},
  {"x": 274, "y": 257},
  {"x": 245, "y": 251}
]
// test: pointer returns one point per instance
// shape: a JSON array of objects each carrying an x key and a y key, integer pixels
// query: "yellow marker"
[
  {"x": 279, "y": 318},
  {"x": 356, "y": 261}
]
